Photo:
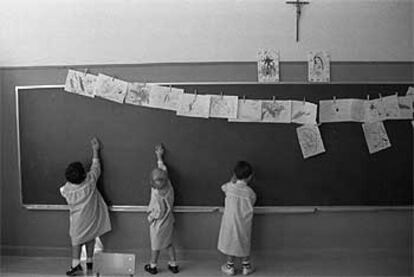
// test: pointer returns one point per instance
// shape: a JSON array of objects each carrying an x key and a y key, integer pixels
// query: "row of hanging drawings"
[{"x": 371, "y": 113}]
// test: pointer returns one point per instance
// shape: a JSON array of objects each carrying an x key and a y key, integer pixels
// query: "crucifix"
[{"x": 298, "y": 4}]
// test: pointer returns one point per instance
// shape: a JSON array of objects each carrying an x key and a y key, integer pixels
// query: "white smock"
[
  {"x": 236, "y": 223},
  {"x": 160, "y": 215},
  {"x": 88, "y": 212}
]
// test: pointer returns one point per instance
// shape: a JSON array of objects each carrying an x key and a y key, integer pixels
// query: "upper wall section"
[{"x": 73, "y": 32}]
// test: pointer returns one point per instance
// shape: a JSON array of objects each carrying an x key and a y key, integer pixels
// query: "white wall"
[{"x": 67, "y": 32}]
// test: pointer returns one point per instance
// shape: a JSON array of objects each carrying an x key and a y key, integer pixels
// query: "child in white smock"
[
  {"x": 160, "y": 215},
  {"x": 236, "y": 223},
  {"x": 88, "y": 212}
]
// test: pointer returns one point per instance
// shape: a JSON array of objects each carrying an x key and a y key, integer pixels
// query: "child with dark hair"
[
  {"x": 88, "y": 212},
  {"x": 236, "y": 223},
  {"x": 160, "y": 215}
]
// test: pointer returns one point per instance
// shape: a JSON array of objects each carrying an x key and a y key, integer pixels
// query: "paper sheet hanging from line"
[
  {"x": 194, "y": 105},
  {"x": 223, "y": 106},
  {"x": 248, "y": 111},
  {"x": 310, "y": 140},
  {"x": 303, "y": 112},
  {"x": 274, "y": 111},
  {"x": 111, "y": 88},
  {"x": 80, "y": 83},
  {"x": 376, "y": 136},
  {"x": 341, "y": 110}
]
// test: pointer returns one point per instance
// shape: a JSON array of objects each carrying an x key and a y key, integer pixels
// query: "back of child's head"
[
  {"x": 242, "y": 170},
  {"x": 75, "y": 173},
  {"x": 159, "y": 178}
]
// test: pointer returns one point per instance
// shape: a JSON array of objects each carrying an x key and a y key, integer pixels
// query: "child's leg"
[
  {"x": 76, "y": 251},
  {"x": 154, "y": 257},
  {"x": 171, "y": 253},
  {"x": 172, "y": 264},
  {"x": 89, "y": 252}
]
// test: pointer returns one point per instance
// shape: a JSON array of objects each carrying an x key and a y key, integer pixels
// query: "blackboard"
[{"x": 55, "y": 128}]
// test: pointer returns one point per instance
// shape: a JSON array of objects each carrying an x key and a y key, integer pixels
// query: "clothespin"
[
  {"x": 368, "y": 97},
  {"x": 334, "y": 99},
  {"x": 244, "y": 98},
  {"x": 222, "y": 95},
  {"x": 195, "y": 93},
  {"x": 274, "y": 99},
  {"x": 380, "y": 96},
  {"x": 85, "y": 71},
  {"x": 319, "y": 124},
  {"x": 304, "y": 101}
]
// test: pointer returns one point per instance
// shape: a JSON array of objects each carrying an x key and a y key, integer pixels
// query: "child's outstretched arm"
[
  {"x": 159, "y": 152},
  {"x": 95, "y": 169}
]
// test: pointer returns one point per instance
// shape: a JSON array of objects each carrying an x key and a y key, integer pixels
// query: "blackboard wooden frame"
[{"x": 266, "y": 209}]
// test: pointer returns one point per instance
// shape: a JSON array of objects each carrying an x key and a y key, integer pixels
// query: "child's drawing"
[
  {"x": 318, "y": 67},
  {"x": 374, "y": 110},
  {"x": 268, "y": 65},
  {"x": 276, "y": 111},
  {"x": 341, "y": 110},
  {"x": 248, "y": 111},
  {"x": 137, "y": 94},
  {"x": 405, "y": 103},
  {"x": 223, "y": 106},
  {"x": 167, "y": 98},
  {"x": 376, "y": 136},
  {"x": 391, "y": 107},
  {"x": 111, "y": 88},
  {"x": 80, "y": 83},
  {"x": 194, "y": 105},
  {"x": 303, "y": 112},
  {"x": 410, "y": 91},
  {"x": 310, "y": 140}
]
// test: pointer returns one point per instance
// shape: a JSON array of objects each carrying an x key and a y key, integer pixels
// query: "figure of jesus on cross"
[{"x": 298, "y": 4}]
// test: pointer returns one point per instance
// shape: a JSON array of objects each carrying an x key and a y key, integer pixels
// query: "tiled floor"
[{"x": 206, "y": 264}]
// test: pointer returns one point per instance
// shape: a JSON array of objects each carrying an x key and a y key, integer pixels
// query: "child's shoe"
[
  {"x": 173, "y": 268},
  {"x": 75, "y": 271},
  {"x": 228, "y": 269},
  {"x": 247, "y": 269},
  {"x": 152, "y": 270}
]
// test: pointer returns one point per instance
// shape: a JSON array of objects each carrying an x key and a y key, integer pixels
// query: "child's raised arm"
[
  {"x": 96, "y": 166},
  {"x": 159, "y": 152}
]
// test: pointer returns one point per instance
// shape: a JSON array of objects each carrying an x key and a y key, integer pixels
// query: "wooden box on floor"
[{"x": 114, "y": 264}]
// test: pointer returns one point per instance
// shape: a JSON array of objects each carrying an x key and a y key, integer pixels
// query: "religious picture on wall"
[
  {"x": 376, "y": 136},
  {"x": 167, "y": 98},
  {"x": 268, "y": 65},
  {"x": 276, "y": 111},
  {"x": 111, "y": 88},
  {"x": 406, "y": 107},
  {"x": 310, "y": 140},
  {"x": 318, "y": 67},
  {"x": 194, "y": 105},
  {"x": 374, "y": 110},
  {"x": 248, "y": 111},
  {"x": 223, "y": 106},
  {"x": 391, "y": 107},
  {"x": 303, "y": 112},
  {"x": 137, "y": 94},
  {"x": 341, "y": 110},
  {"x": 81, "y": 83}
]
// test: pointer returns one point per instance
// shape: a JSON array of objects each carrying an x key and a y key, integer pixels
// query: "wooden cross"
[{"x": 298, "y": 4}]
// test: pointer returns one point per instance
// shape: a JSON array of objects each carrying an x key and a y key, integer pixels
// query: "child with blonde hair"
[
  {"x": 88, "y": 212},
  {"x": 236, "y": 223},
  {"x": 160, "y": 215}
]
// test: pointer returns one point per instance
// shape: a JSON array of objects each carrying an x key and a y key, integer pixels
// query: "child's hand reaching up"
[
  {"x": 159, "y": 151},
  {"x": 95, "y": 144}
]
